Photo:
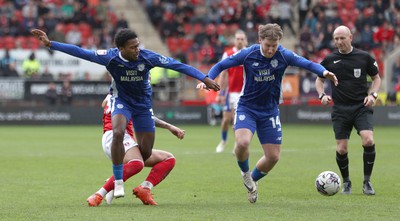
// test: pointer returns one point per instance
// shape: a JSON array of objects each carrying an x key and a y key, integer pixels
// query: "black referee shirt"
[{"x": 351, "y": 71}]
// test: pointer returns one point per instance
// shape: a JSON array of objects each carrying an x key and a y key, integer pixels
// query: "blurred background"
[{"x": 40, "y": 86}]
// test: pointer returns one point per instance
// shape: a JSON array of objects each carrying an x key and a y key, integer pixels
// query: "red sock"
[
  {"x": 160, "y": 171},
  {"x": 130, "y": 169}
]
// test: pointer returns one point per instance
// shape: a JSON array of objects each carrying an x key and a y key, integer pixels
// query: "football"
[{"x": 328, "y": 183}]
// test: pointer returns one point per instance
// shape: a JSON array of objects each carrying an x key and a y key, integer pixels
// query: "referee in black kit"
[{"x": 353, "y": 101}]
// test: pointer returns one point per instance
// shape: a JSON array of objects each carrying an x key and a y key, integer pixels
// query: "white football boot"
[
  {"x": 119, "y": 189},
  {"x": 251, "y": 187},
  {"x": 221, "y": 147}
]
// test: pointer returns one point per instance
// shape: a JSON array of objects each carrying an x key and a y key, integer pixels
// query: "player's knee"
[
  {"x": 146, "y": 154},
  {"x": 368, "y": 142},
  {"x": 118, "y": 135},
  {"x": 242, "y": 144},
  {"x": 274, "y": 158}
]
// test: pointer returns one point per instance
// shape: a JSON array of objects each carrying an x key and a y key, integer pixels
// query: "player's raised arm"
[{"x": 70, "y": 49}]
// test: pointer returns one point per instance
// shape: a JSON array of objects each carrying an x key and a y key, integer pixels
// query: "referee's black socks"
[
  {"x": 343, "y": 163},
  {"x": 369, "y": 160}
]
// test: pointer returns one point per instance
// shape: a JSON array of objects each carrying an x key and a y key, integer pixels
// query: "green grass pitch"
[{"x": 47, "y": 172}]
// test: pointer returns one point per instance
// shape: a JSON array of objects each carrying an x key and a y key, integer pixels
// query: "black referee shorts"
[{"x": 344, "y": 118}]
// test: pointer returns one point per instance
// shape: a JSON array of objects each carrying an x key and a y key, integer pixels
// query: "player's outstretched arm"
[
  {"x": 331, "y": 76},
  {"x": 42, "y": 36},
  {"x": 211, "y": 84},
  {"x": 179, "y": 133}
]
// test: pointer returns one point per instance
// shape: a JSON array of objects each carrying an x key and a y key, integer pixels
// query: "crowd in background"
[
  {"x": 198, "y": 31},
  {"x": 201, "y": 29}
]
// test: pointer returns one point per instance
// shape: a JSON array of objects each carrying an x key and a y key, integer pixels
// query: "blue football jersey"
[
  {"x": 263, "y": 76},
  {"x": 131, "y": 80}
]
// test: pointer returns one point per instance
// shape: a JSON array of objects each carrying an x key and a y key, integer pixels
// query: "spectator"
[
  {"x": 31, "y": 67},
  {"x": 51, "y": 94},
  {"x": 46, "y": 75},
  {"x": 11, "y": 72},
  {"x": 5, "y": 62},
  {"x": 66, "y": 93},
  {"x": 74, "y": 36},
  {"x": 155, "y": 11},
  {"x": 122, "y": 22},
  {"x": 286, "y": 15},
  {"x": 57, "y": 34},
  {"x": 395, "y": 73}
]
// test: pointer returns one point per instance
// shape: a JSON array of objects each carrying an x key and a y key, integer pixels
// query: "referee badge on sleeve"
[{"x": 357, "y": 73}]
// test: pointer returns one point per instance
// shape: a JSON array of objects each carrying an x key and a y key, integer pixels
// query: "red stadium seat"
[
  {"x": 185, "y": 44},
  {"x": 1, "y": 42},
  {"x": 188, "y": 28},
  {"x": 9, "y": 42},
  {"x": 22, "y": 42},
  {"x": 34, "y": 43},
  {"x": 85, "y": 29},
  {"x": 173, "y": 44}
]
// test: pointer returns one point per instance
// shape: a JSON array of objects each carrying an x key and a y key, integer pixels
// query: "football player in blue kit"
[
  {"x": 264, "y": 67},
  {"x": 129, "y": 67}
]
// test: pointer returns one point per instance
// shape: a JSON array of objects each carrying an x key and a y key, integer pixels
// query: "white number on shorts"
[{"x": 275, "y": 121}]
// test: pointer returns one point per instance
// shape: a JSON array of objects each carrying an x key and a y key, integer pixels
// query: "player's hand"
[
  {"x": 179, "y": 133},
  {"x": 331, "y": 76},
  {"x": 41, "y": 35},
  {"x": 326, "y": 100},
  {"x": 211, "y": 84},
  {"x": 369, "y": 101},
  {"x": 202, "y": 86}
]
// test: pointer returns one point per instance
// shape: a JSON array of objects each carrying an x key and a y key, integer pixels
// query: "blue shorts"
[
  {"x": 143, "y": 120},
  {"x": 266, "y": 123}
]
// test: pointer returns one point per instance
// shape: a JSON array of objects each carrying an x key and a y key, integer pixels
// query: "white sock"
[
  {"x": 102, "y": 192},
  {"x": 147, "y": 184}
]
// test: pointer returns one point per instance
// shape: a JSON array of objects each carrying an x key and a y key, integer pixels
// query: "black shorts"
[{"x": 344, "y": 118}]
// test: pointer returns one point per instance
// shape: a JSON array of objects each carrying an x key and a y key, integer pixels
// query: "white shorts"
[
  {"x": 107, "y": 141},
  {"x": 234, "y": 99}
]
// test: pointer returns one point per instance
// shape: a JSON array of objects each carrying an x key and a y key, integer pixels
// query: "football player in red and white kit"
[
  {"x": 231, "y": 82},
  {"x": 162, "y": 162}
]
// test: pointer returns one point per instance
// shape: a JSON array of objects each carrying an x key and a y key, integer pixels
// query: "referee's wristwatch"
[
  {"x": 321, "y": 96},
  {"x": 375, "y": 95}
]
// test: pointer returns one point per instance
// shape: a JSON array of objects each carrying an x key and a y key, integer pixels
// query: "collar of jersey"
[{"x": 120, "y": 56}]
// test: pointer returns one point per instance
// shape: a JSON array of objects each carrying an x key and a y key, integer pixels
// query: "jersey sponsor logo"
[
  {"x": 264, "y": 72},
  {"x": 264, "y": 78},
  {"x": 255, "y": 64},
  {"x": 163, "y": 60},
  {"x": 274, "y": 63},
  {"x": 101, "y": 52},
  {"x": 357, "y": 73},
  {"x": 120, "y": 106},
  {"x": 140, "y": 67},
  {"x": 242, "y": 117},
  {"x": 132, "y": 75},
  {"x": 336, "y": 61}
]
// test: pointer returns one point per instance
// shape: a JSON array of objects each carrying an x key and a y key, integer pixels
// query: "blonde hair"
[{"x": 270, "y": 31}]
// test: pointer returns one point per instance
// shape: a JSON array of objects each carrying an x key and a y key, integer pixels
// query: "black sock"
[
  {"x": 369, "y": 160},
  {"x": 343, "y": 163}
]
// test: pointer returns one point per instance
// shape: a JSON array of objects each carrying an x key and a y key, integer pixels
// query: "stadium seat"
[
  {"x": 33, "y": 42},
  {"x": 22, "y": 42},
  {"x": 85, "y": 29},
  {"x": 9, "y": 42},
  {"x": 185, "y": 44},
  {"x": 173, "y": 44},
  {"x": 187, "y": 27}
]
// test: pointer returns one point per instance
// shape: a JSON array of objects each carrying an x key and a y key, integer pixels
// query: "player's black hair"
[{"x": 123, "y": 36}]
